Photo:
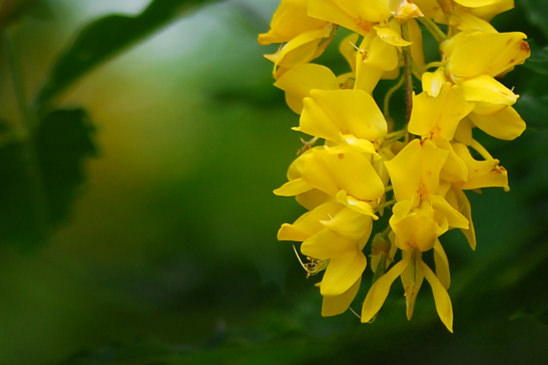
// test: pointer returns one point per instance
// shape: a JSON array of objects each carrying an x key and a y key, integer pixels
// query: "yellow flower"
[
  {"x": 420, "y": 215},
  {"x": 364, "y": 168}
]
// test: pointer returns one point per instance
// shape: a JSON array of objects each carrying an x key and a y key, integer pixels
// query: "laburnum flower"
[{"x": 357, "y": 168}]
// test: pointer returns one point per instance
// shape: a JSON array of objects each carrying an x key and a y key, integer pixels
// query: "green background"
[{"x": 138, "y": 222}]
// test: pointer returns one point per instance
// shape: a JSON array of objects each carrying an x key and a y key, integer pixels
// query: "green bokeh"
[{"x": 163, "y": 250}]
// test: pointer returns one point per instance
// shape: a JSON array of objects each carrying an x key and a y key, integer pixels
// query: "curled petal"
[
  {"x": 298, "y": 81},
  {"x": 505, "y": 124}
]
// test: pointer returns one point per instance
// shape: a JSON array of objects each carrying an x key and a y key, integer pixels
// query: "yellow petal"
[
  {"x": 327, "y": 244},
  {"x": 301, "y": 49},
  {"x": 438, "y": 116},
  {"x": 457, "y": 198},
  {"x": 454, "y": 218},
  {"x": 342, "y": 272},
  {"x": 506, "y": 124},
  {"x": 309, "y": 223},
  {"x": 391, "y": 36},
  {"x": 377, "y": 53},
  {"x": 312, "y": 198},
  {"x": 293, "y": 187},
  {"x": 432, "y": 82},
  {"x": 350, "y": 224},
  {"x": 463, "y": 20},
  {"x": 476, "y": 3},
  {"x": 348, "y": 49},
  {"x": 415, "y": 35},
  {"x": 464, "y": 131},
  {"x": 352, "y": 171},
  {"x": 289, "y": 20},
  {"x": 485, "y": 88},
  {"x": 355, "y": 204},
  {"x": 415, "y": 228},
  {"x": 298, "y": 81},
  {"x": 442, "y": 265},
  {"x": 486, "y": 173},
  {"x": 357, "y": 16},
  {"x": 441, "y": 298},
  {"x": 494, "y": 53},
  {"x": 337, "y": 304},
  {"x": 379, "y": 291},
  {"x": 331, "y": 113},
  {"x": 489, "y": 11},
  {"x": 455, "y": 169},
  {"x": 416, "y": 169}
]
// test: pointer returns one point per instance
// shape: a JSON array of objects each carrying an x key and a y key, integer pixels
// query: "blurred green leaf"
[
  {"x": 64, "y": 140},
  {"x": 105, "y": 37},
  {"x": 537, "y": 12},
  {"x": 533, "y": 109},
  {"x": 39, "y": 178}
]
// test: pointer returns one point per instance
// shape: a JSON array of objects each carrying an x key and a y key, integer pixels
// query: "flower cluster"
[{"x": 358, "y": 166}]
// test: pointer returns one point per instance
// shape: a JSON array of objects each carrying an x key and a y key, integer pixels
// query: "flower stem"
[
  {"x": 386, "y": 104},
  {"x": 408, "y": 75},
  {"x": 433, "y": 28}
]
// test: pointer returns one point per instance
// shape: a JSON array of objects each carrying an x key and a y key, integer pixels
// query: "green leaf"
[
  {"x": 40, "y": 177},
  {"x": 105, "y": 37}
]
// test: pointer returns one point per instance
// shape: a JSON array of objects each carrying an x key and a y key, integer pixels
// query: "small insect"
[
  {"x": 313, "y": 266},
  {"x": 307, "y": 145}
]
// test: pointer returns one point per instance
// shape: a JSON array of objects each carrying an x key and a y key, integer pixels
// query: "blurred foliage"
[
  {"x": 104, "y": 38},
  {"x": 168, "y": 255}
]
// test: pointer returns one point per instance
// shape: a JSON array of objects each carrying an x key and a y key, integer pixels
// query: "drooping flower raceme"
[{"x": 357, "y": 166}]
